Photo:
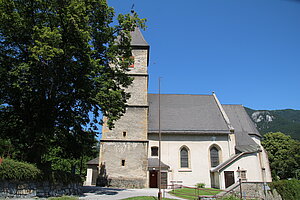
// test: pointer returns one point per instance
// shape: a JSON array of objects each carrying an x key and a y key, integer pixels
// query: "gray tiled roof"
[
  {"x": 154, "y": 163},
  {"x": 201, "y": 114},
  {"x": 186, "y": 113},
  {"x": 243, "y": 126},
  {"x": 137, "y": 39},
  {"x": 95, "y": 161},
  {"x": 226, "y": 162},
  {"x": 240, "y": 119}
]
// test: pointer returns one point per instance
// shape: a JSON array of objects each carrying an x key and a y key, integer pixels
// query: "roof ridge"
[
  {"x": 182, "y": 94},
  {"x": 230, "y": 104},
  {"x": 250, "y": 122},
  {"x": 225, "y": 116},
  {"x": 227, "y": 162}
]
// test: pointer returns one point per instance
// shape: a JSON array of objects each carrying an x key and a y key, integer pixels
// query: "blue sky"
[{"x": 247, "y": 51}]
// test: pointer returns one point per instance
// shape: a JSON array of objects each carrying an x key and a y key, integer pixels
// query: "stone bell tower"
[{"x": 123, "y": 157}]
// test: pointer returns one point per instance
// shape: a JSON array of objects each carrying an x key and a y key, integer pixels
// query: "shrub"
[
  {"x": 22, "y": 171},
  {"x": 200, "y": 185},
  {"x": 288, "y": 189},
  {"x": 15, "y": 170}
]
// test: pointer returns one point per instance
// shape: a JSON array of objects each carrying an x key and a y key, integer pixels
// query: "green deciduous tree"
[
  {"x": 57, "y": 71},
  {"x": 284, "y": 154}
]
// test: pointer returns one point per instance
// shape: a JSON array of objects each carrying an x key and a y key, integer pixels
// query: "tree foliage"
[
  {"x": 288, "y": 189},
  {"x": 284, "y": 155},
  {"x": 71, "y": 153},
  {"x": 57, "y": 70}
]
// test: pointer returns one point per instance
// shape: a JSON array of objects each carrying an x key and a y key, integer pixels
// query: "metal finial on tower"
[{"x": 132, "y": 8}]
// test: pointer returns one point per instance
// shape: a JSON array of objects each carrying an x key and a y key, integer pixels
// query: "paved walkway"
[{"x": 92, "y": 192}]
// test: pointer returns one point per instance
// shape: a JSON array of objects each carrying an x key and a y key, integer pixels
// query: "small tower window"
[
  {"x": 132, "y": 65},
  {"x": 131, "y": 58},
  {"x": 123, "y": 162},
  {"x": 124, "y": 133},
  {"x": 154, "y": 151}
]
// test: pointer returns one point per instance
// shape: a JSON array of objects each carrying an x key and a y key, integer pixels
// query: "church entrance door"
[
  {"x": 153, "y": 179},
  {"x": 229, "y": 178}
]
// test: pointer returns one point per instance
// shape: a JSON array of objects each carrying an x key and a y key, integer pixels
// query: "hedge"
[
  {"x": 288, "y": 189},
  {"x": 21, "y": 171}
]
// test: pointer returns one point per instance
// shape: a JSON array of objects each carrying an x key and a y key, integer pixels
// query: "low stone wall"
[
  {"x": 121, "y": 182},
  {"x": 128, "y": 183},
  {"x": 13, "y": 189},
  {"x": 255, "y": 190}
]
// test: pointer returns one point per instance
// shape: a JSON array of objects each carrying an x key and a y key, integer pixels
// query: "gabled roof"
[
  {"x": 202, "y": 114},
  {"x": 95, "y": 161},
  {"x": 243, "y": 127},
  {"x": 153, "y": 163},
  {"x": 185, "y": 114},
  {"x": 240, "y": 119},
  {"x": 227, "y": 162},
  {"x": 137, "y": 39}
]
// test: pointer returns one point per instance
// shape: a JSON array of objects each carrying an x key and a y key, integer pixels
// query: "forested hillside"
[{"x": 286, "y": 121}]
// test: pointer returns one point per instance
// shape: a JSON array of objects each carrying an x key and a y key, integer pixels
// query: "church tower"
[{"x": 123, "y": 156}]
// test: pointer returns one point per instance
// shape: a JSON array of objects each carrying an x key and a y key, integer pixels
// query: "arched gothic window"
[
  {"x": 214, "y": 156},
  {"x": 184, "y": 157}
]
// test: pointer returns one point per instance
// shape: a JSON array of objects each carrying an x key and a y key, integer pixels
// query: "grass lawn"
[
  {"x": 190, "y": 193},
  {"x": 145, "y": 198}
]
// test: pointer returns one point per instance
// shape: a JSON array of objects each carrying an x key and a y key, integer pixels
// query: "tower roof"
[{"x": 137, "y": 39}]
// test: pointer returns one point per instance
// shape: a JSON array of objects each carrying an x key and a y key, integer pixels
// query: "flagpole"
[{"x": 159, "y": 145}]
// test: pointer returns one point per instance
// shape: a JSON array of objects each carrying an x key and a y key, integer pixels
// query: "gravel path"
[{"x": 91, "y": 193}]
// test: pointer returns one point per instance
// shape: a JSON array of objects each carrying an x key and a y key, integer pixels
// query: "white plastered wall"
[
  {"x": 248, "y": 162},
  {"x": 199, "y": 159},
  {"x": 265, "y": 165},
  {"x": 89, "y": 175}
]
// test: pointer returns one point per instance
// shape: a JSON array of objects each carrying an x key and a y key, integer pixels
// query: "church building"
[{"x": 203, "y": 141}]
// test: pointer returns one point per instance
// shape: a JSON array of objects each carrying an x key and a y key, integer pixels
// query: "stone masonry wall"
[
  {"x": 133, "y": 174},
  {"x": 255, "y": 190},
  {"x": 128, "y": 183},
  {"x": 134, "y": 123},
  {"x": 138, "y": 91},
  {"x": 140, "y": 61},
  {"x": 123, "y": 155},
  {"x": 13, "y": 189}
]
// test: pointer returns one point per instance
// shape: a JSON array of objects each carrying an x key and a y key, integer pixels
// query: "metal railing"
[
  {"x": 210, "y": 193},
  {"x": 197, "y": 192}
]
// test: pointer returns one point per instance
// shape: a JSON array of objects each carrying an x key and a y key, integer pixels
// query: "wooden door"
[
  {"x": 153, "y": 179},
  {"x": 229, "y": 178}
]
